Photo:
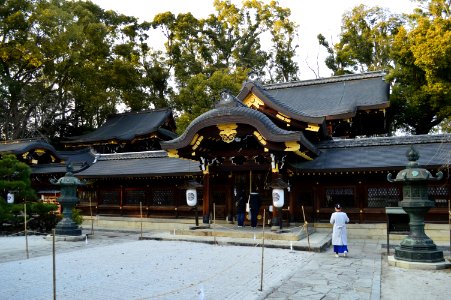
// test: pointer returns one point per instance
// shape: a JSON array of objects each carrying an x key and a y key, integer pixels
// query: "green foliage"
[
  {"x": 15, "y": 176},
  {"x": 76, "y": 216},
  {"x": 206, "y": 91},
  {"x": 66, "y": 65},
  {"x": 5, "y": 212},
  {"x": 365, "y": 41},
  {"x": 414, "y": 49},
  {"x": 422, "y": 55},
  {"x": 41, "y": 217},
  {"x": 211, "y": 54}
]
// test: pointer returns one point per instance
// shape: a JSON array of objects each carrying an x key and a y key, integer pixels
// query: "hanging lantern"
[
  {"x": 191, "y": 187},
  {"x": 10, "y": 198},
  {"x": 191, "y": 197},
  {"x": 278, "y": 197}
]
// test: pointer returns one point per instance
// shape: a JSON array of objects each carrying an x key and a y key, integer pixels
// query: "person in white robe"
[{"x": 339, "y": 235}]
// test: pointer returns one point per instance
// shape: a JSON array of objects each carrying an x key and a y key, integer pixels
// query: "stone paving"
[{"x": 356, "y": 276}]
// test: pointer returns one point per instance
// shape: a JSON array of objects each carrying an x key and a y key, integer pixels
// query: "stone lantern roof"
[{"x": 413, "y": 172}]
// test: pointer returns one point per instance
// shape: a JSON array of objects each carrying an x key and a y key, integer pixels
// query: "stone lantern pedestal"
[
  {"x": 417, "y": 247},
  {"x": 68, "y": 186}
]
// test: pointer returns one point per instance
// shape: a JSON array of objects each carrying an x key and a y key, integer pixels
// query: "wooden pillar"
[
  {"x": 206, "y": 199},
  {"x": 292, "y": 205}
]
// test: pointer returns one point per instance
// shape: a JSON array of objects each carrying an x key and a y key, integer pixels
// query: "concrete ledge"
[
  {"x": 66, "y": 238},
  {"x": 417, "y": 265}
]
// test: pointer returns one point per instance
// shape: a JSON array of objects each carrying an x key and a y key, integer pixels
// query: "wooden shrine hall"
[{"x": 326, "y": 140}]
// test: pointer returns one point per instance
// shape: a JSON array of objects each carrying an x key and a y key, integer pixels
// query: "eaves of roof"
[
  {"x": 314, "y": 101},
  {"x": 125, "y": 127},
  {"x": 242, "y": 115},
  {"x": 22, "y": 146},
  {"x": 146, "y": 164},
  {"x": 379, "y": 154}
]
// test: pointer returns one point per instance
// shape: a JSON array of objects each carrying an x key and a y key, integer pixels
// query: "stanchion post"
[
  {"x": 141, "y": 213},
  {"x": 25, "y": 228},
  {"x": 90, "y": 211},
  {"x": 54, "y": 264},
  {"x": 263, "y": 249}
]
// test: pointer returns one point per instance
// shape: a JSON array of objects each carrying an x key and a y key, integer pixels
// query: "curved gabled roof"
[
  {"x": 313, "y": 101},
  {"x": 127, "y": 126},
  {"x": 241, "y": 115},
  {"x": 21, "y": 146}
]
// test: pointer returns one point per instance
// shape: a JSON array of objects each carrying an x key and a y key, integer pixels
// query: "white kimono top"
[{"x": 339, "y": 235}]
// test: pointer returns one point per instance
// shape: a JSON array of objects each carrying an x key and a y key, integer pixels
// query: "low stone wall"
[
  {"x": 134, "y": 224},
  {"x": 437, "y": 232}
]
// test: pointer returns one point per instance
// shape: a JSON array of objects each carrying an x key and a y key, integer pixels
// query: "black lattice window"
[
  {"x": 343, "y": 195},
  {"x": 163, "y": 197},
  {"x": 439, "y": 194},
  {"x": 87, "y": 197},
  {"x": 383, "y": 196},
  {"x": 109, "y": 197},
  {"x": 134, "y": 197}
]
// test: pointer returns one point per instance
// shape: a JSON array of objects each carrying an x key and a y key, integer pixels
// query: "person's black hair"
[{"x": 338, "y": 206}]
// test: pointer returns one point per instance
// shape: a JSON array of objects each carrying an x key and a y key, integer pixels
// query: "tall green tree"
[
  {"x": 228, "y": 43},
  {"x": 415, "y": 51},
  {"x": 66, "y": 65},
  {"x": 422, "y": 54},
  {"x": 15, "y": 177},
  {"x": 365, "y": 41}
]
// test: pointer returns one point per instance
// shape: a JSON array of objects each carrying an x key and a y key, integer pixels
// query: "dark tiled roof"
[
  {"x": 242, "y": 115},
  {"x": 148, "y": 163},
  {"x": 22, "y": 146},
  {"x": 380, "y": 153},
  {"x": 78, "y": 159},
  {"x": 56, "y": 168},
  {"x": 86, "y": 155},
  {"x": 127, "y": 126},
  {"x": 315, "y": 100}
]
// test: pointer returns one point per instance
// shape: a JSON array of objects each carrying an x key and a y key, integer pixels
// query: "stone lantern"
[
  {"x": 417, "y": 246},
  {"x": 68, "y": 187}
]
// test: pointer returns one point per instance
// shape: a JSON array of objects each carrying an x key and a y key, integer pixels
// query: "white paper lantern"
[
  {"x": 278, "y": 197},
  {"x": 191, "y": 197},
  {"x": 10, "y": 198}
]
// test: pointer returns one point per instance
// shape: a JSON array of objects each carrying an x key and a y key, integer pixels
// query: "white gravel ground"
[{"x": 146, "y": 270}]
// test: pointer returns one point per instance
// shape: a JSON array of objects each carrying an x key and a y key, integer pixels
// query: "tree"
[
  {"x": 413, "y": 49},
  {"x": 66, "y": 65},
  {"x": 422, "y": 55},
  {"x": 15, "y": 177},
  {"x": 226, "y": 44},
  {"x": 206, "y": 91},
  {"x": 365, "y": 41}
]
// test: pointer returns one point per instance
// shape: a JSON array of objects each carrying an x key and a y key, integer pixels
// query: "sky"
[{"x": 312, "y": 16}]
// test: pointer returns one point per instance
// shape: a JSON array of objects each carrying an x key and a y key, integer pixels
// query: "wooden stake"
[
  {"x": 306, "y": 227},
  {"x": 141, "y": 213},
  {"x": 54, "y": 264},
  {"x": 263, "y": 250},
  {"x": 25, "y": 228}
]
